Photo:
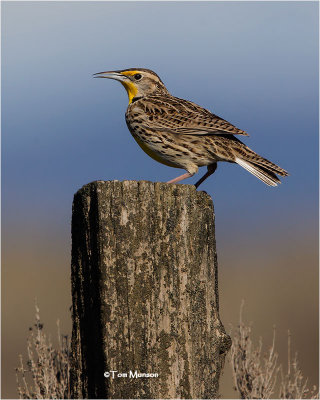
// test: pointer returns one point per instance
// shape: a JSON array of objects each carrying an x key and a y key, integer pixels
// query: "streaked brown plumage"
[{"x": 181, "y": 134}]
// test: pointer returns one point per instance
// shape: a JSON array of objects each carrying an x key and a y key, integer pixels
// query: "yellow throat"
[{"x": 130, "y": 86}]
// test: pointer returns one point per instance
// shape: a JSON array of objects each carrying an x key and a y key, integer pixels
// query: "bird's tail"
[{"x": 260, "y": 167}]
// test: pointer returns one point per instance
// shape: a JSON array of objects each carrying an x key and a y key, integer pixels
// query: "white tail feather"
[{"x": 256, "y": 172}]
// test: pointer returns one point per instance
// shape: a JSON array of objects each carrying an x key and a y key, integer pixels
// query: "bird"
[{"x": 181, "y": 134}]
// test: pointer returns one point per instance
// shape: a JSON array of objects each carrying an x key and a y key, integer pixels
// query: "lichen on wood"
[{"x": 145, "y": 292}]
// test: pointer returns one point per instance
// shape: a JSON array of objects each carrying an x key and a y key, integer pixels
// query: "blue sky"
[{"x": 254, "y": 64}]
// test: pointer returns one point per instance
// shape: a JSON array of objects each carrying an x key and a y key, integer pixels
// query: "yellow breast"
[{"x": 153, "y": 154}]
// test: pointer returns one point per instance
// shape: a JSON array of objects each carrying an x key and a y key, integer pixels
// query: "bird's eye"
[{"x": 137, "y": 77}]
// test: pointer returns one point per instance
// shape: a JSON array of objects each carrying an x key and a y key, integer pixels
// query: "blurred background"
[{"x": 252, "y": 63}]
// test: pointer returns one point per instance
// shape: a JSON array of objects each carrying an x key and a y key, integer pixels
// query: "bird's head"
[{"x": 138, "y": 82}]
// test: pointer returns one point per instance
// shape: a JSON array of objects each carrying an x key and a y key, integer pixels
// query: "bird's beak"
[{"x": 110, "y": 75}]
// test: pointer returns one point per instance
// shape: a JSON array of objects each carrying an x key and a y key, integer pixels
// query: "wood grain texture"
[{"x": 145, "y": 292}]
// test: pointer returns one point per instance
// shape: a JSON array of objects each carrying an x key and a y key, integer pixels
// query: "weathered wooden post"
[{"x": 145, "y": 292}]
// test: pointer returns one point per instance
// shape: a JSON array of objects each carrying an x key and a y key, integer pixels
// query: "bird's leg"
[
  {"x": 181, "y": 177},
  {"x": 211, "y": 169}
]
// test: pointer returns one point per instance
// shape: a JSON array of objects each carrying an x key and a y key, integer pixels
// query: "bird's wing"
[{"x": 170, "y": 114}]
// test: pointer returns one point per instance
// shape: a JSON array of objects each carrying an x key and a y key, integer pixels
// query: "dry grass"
[
  {"x": 256, "y": 375},
  {"x": 46, "y": 375}
]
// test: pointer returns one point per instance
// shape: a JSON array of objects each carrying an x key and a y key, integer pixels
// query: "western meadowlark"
[{"x": 181, "y": 134}]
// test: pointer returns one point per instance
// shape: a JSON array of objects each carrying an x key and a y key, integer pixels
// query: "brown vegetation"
[
  {"x": 46, "y": 375},
  {"x": 256, "y": 375}
]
